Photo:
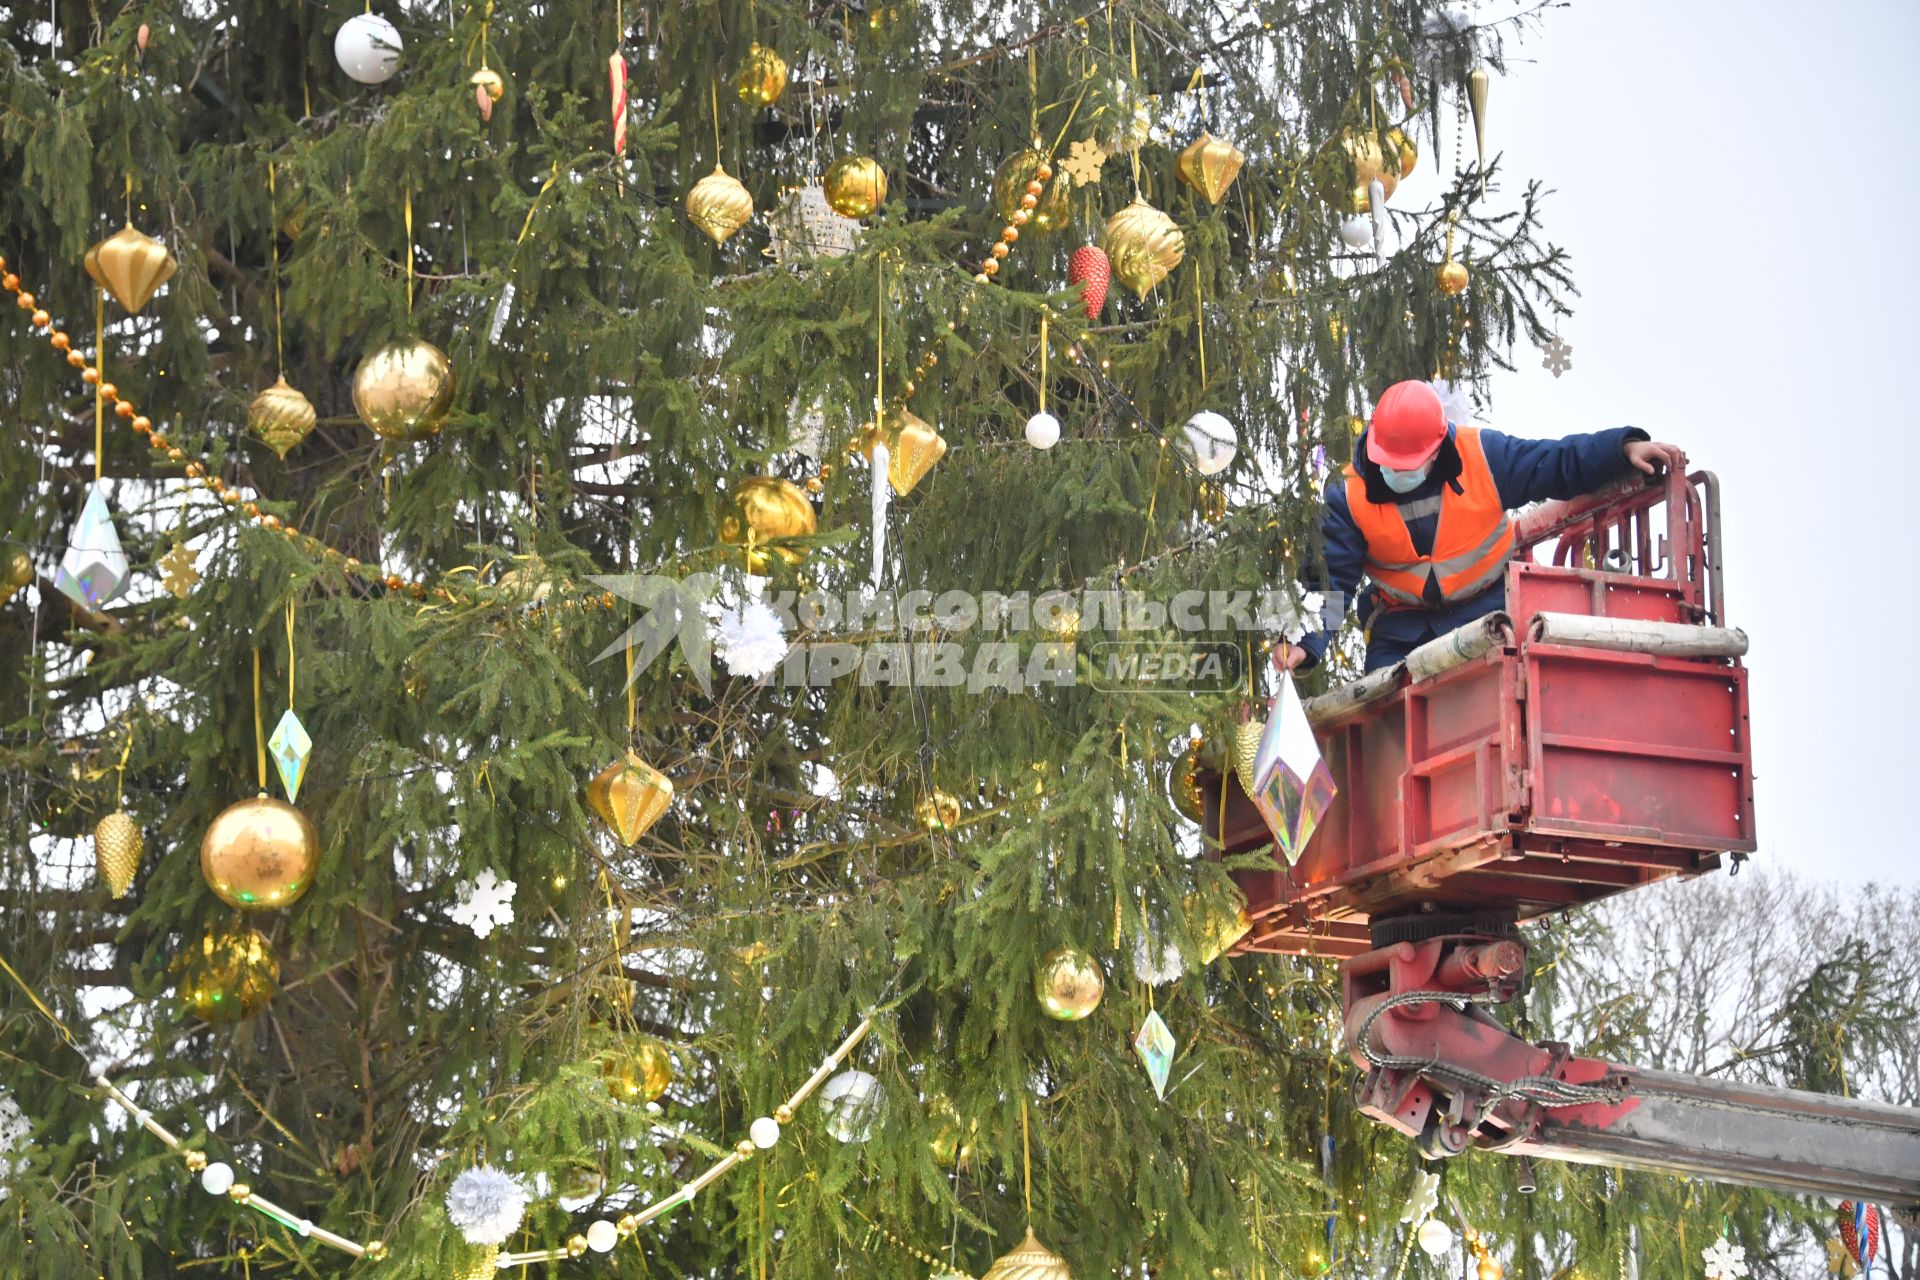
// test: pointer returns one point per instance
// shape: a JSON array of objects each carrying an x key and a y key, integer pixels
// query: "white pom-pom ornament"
[
  {"x": 486, "y": 1204},
  {"x": 216, "y": 1178},
  {"x": 1435, "y": 1237},
  {"x": 367, "y": 47},
  {"x": 1357, "y": 231},
  {"x": 1043, "y": 431},
  {"x": 1209, "y": 441},
  {"x": 765, "y": 1132}
]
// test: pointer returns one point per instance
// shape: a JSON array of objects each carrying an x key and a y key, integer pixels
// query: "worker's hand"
[
  {"x": 1288, "y": 656},
  {"x": 1653, "y": 457}
]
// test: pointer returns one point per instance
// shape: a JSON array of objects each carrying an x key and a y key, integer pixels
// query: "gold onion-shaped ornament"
[
  {"x": 130, "y": 265},
  {"x": 641, "y": 1075},
  {"x": 630, "y": 795},
  {"x": 402, "y": 391},
  {"x": 1012, "y": 180},
  {"x": 855, "y": 186},
  {"x": 1144, "y": 246},
  {"x": 280, "y": 416},
  {"x": 260, "y": 854},
  {"x": 719, "y": 205},
  {"x": 117, "y": 848},
  {"x": 1218, "y": 927},
  {"x": 1029, "y": 1260},
  {"x": 229, "y": 977},
  {"x": 913, "y": 446},
  {"x": 1209, "y": 165},
  {"x": 763, "y": 78},
  {"x": 771, "y": 510}
]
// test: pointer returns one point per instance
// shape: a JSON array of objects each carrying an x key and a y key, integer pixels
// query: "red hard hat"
[{"x": 1408, "y": 425}]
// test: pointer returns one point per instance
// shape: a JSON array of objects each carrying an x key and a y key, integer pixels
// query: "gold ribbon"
[{"x": 40, "y": 1004}]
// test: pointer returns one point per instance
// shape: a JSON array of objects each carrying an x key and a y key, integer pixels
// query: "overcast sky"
[{"x": 1736, "y": 186}]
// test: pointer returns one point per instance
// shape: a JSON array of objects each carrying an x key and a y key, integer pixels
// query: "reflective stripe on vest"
[{"x": 1471, "y": 543}]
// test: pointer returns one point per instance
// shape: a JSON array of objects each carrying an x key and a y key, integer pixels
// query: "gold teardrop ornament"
[
  {"x": 913, "y": 446},
  {"x": 1029, "y": 1260},
  {"x": 1014, "y": 180},
  {"x": 1144, "y": 246},
  {"x": 1209, "y": 165},
  {"x": 281, "y": 417},
  {"x": 117, "y": 848},
  {"x": 855, "y": 185},
  {"x": 772, "y": 510},
  {"x": 130, "y": 265},
  {"x": 630, "y": 795},
  {"x": 719, "y": 205}
]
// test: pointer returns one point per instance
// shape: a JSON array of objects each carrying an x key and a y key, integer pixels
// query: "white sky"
[{"x": 1736, "y": 186}]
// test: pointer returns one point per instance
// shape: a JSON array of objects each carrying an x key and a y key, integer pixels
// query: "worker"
[{"x": 1421, "y": 512}]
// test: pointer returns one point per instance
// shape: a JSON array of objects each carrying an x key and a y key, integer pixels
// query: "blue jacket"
[{"x": 1523, "y": 470}]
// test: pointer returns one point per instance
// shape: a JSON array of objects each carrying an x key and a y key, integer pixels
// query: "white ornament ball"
[
  {"x": 1357, "y": 231},
  {"x": 216, "y": 1178},
  {"x": 602, "y": 1236},
  {"x": 765, "y": 1132},
  {"x": 1043, "y": 431},
  {"x": 851, "y": 1103},
  {"x": 367, "y": 47},
  {"x": 1210, "y": 442},
  {"x": 1435, "y": 1237}
]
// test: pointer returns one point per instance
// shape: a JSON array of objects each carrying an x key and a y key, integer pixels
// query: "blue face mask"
[{"x": 1405, "y": 481}]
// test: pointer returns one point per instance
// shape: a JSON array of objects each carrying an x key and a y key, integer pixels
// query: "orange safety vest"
[{"x": 1470, "y": 547}]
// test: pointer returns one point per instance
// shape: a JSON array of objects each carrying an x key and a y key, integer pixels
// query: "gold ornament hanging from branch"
[
  {"x": 117, "y": 848},
  {"x": 1026, "y": 181},
  {"x": 1183, "y": 784},
  {"x": 1029, "y": 1260},
  {"x": 488, "y": 89},
  {"x": 641, "y": 1075},
  {"x": 856, "y": 186},
  {"x": 19, "y": 572},
  {"x": 762, "y": 78},
  {"x": 1209, "y": 165},
  {"x": 1450, "y": 275},
  {"x": 260, "y": 854},
  {"x": 229, "y": 977},
  {"x": 1144, "y": 246},
  {"x": 913, "y": 446},
  {"x": 130, "y": 265},
  {"x": 402, "y": 391},
  {"x": 937, "y": 811},
  {"x": 281, "y": 417},
  {"x": 1068, "y": 984},
  {"x": 771, "y": 510},
  {"x": 630, "y": 795},
  {"x": 719, "y": 205}
]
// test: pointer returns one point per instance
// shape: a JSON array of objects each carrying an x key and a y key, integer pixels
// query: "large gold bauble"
[
  {"x": 1364, "y": 154},
  {"x": 770, "y": 510},
  {"x": 1010, "y": 183},
  {"x": 937, "y": 811},
  {"x": 1068, "y": 984},
  {"x": 855, "y": 186},
  {"x": 19, "y": 572},
  {"x": 1144, "y": 246},
  {"x": 913, "y": 446},
  {"x": 630, "y": 795},
  {"x": 117, "y": 848},
  {"x": 763, "y": 78},
  {"x": 402, "y": 391},
  {"x": 130, "y": 265},
  {"x": 229, "y": 977},
  {"x": 1451, "y": 277},
  {"x": 1183, "y": 784},
  {"x": 719, "y": 205},
  {"x": 260, "y": 854},
  {"x": 641, "y": 1075},
  {"x": 280, "y": 416},
  {"x": 1029, "y": 1260},
  {"x": 1209, "y": 165}
]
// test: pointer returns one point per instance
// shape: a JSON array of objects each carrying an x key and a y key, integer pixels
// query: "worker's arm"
[
  {"x": 1543, "y": 470},
  {"x": 1346, "y": 552}
]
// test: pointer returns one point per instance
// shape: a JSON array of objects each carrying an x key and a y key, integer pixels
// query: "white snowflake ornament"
[
  {"x": 1725, "y": 1260},
  {"x": 1292, "y": 617},
  {"x": 486, "y": 903}
]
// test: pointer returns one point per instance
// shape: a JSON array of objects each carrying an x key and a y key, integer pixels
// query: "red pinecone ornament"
[
  {"x": 1090, "y": 269},
  {"x": 1863, "y": 1241}
]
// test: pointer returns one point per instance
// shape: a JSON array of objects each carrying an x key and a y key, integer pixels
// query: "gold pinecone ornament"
[
  {"x": 1029, "y": 1260},
  {"x": 117, "y": 849},
  {"x": 281, "y": 417}
]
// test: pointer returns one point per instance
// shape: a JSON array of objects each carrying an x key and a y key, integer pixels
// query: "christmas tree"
[{"x": 504, "y": 361}]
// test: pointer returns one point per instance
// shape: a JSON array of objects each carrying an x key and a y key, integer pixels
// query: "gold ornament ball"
[
  {"x": 1183, "y": 784},
  {"x": 130, "y": 265},
  {"x": 952, "y": 1141},
  {"x": 1029, "y": 1260},
  {"x": 576, "y": 1245},
  {"x": 117, "y": 848},
  {"x": 1364, "y": 154},
  {"x": 1209, "y": 165},
  {"x": 1144, "y": 246},
  {"x": 937, "y": 811},
  {"x": 855, "y": 186},
  {"x": 770, "y": 510},
  {"x": 1012, "y": 183},
  {"x": 402, "y": 391},
  {"x": 1068, "y": 984},
  {"x": 281, "y": 417},
  {"x": 1490, "y": 1268},
  {"x": 764, "y": 77},
  {"x": 719, "y": 205},
  {"x": 19, "y": 574},
  {"x": 260, "y": 854},
  {"x": 1451, "y": 277},
  {"x": 229, "y": 977},
  {"x": 641, "y": 1075},
  {"x": 630, "y": 795},
  {"x": 489, "y": 79}
]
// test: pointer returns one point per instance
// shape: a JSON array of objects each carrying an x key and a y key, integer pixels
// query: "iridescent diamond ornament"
[
  {"x": 1154, "y": 1046},
  {"x": 1292, "y": 786},
  {"x": 94, "y": 568},
  {"x": 290, "y": 746}
]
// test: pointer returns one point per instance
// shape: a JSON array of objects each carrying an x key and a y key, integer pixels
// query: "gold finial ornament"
[
  {"x": 1209, "y": 165},
  {"x": 630, "y": 795},
  {"x": 856, "y": 186},
  {"x": 402, "y": 390},
  {"x": 719, "y": 205},
  {"x": 131, "y": 265},
  {"x": 117, "y": 848},
  {"x": 1144, "y": 246},
  {"x": 281, "y": 417}
]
